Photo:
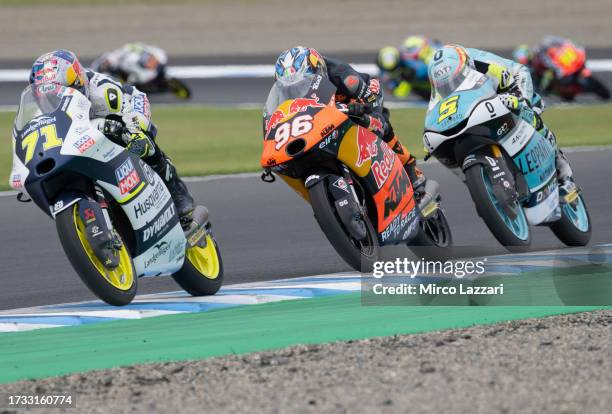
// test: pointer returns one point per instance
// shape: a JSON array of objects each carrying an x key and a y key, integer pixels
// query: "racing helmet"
[
  {"x": 449, "y": 67},
  {"x": 522, "y": 54},
  {"x": 418, "y": 48},
  {"x": 60, "y": 67},
  {"x": 388, "y": 58},
  {"x": 299, "y": 60}
]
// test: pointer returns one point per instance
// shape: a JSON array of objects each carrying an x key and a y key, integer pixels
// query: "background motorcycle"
[
  {"x": 509, "y": 167},
  {"x": 360, "y": 194},
  {"x": 114, "y": 215},
  {"x": 571, "y": 77},
  {"x": 147, "y": 71}
]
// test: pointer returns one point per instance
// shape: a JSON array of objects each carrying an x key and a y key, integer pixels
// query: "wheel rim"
[
  {"x": 205, "y": 259},
  {"x": 436, "y": 230},
  {"x": 577, "y": 215},
  {"x": 121, "y": 277},
  {"x": 519, "y": 226}
]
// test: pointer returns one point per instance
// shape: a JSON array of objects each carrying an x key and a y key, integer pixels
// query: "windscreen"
[
  {"x": 36, "y": 101},
  {"x": 291, "y": 88},
  {"x": 446, "y": 86}
]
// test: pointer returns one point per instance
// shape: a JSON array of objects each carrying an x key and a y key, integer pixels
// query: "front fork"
[
  {"x": 99, "y": 230},
  {"x": 347, "y": 204}
]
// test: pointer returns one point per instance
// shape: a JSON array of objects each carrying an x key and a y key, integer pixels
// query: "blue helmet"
[{"x": 299, "y": 60}]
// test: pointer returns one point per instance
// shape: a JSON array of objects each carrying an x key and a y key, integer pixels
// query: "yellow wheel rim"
[
  {"x": 121, "y": 277},
  {"x": 205, "y": 260}
]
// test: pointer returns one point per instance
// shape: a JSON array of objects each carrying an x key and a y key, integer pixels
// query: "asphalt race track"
[{"x": 265, "y": 232}]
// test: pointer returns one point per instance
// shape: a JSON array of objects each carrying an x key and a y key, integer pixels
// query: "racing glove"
[
  {"x": 358, "y": 109},
  {"x": 138, "y": 142},
  {"x": 510, "y": 101}
]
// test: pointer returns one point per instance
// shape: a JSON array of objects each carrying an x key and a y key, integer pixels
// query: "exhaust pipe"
[{"x": 428, "y": 203}]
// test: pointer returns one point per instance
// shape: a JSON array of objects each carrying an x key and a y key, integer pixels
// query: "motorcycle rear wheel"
[
  {"x": 178, "y": 89},
  {"x": 574, "y": 226},
  {"x": 202, "y": 271},
  {"x": 116, "y": 286}
]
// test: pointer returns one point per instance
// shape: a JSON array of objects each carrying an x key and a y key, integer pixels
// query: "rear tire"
[
  {"x": 202, "y": 271},
  {"x": 513, "y": 235},
  {"x": 353, "y": 252},
  {"x": 566, "y": 228},
  {"x": 87, "y": 266},
  {"x": 179, "y": 89}
]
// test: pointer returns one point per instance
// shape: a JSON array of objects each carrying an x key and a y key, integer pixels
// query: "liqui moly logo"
[{"x": 127, "y": 177}]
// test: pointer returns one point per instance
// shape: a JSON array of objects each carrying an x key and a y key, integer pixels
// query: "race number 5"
[
  {"x": 299, "y": 126},
  {"x": 30, "y": 141},
  {"x": 448, "y": 107}
]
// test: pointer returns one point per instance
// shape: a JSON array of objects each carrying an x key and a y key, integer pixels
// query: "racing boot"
[
  {"x": 417, "y": 178},
  {"x": 178, "y": 190}
]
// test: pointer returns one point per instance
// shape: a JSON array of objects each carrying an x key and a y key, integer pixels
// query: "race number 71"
[{"x": 30, "y": 141}]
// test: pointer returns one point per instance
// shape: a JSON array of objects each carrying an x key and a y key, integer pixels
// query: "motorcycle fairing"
[
  {"x": 86, "y": 152},
  {"x": 383, "y": 175}
]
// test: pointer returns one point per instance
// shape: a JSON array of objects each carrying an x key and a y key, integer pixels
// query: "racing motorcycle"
[
  {"x": 114, "y": 215},
  {"x": 572, "y": 77},
  {"x": 360, "y": 194},
  {"x": 146, "y": 71},
  {"x": 508, "y": 166}
]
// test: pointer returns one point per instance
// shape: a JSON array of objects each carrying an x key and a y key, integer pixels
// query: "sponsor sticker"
[
  {"x": 84, "y": 143},
  {"x": 160, "y": 224},
  {"x": 153, "y": 200},
  {"x": 127, "y": 177}
]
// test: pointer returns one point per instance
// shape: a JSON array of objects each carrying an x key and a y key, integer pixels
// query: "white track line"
[{"x": 251, "y": 71}]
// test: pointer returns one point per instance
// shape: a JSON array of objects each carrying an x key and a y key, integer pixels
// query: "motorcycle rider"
[
  {"x": 512, "y": 81},
  {"x": 553, "y": 61},
  {"x": 404, "y": 69},
  {"x": 137, "y": 63},
  {"x": 120, "y": 112},
  {"x": 360, "y": 91}
]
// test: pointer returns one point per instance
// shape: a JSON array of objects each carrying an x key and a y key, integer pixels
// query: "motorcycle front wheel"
[
  {"x": 513, "y": 234},
  {"x": 115, "y": 286},
  {"x": 359, "y": 254}
]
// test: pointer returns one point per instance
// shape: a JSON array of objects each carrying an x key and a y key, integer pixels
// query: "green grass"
[{"x": 204, "y": 140}]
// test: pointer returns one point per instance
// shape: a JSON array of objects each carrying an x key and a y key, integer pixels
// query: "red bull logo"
[
  {"x": 366, "y": 146},
  {"x": 376, "y": 124},
  {"x": 296, "y": 106}
]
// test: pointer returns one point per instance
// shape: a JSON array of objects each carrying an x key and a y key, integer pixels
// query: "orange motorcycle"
[{"x": 359, "y": 191}]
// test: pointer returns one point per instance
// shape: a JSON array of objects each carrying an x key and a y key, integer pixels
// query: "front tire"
[
  {"x": 202, "y": 271},
  {"x": 574, "y": 226},
  {"x": 514, "y": 235},
  {"x": 354, "y": 252},
  {"x": 598, "y": 88},
  {"x": 117, "y": 286}
]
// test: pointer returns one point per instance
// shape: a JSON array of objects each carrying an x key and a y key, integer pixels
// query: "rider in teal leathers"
[{"x": 513, "y": 83}]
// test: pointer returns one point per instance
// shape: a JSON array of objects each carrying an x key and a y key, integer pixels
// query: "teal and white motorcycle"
[{"x": 508, "y": 166}]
